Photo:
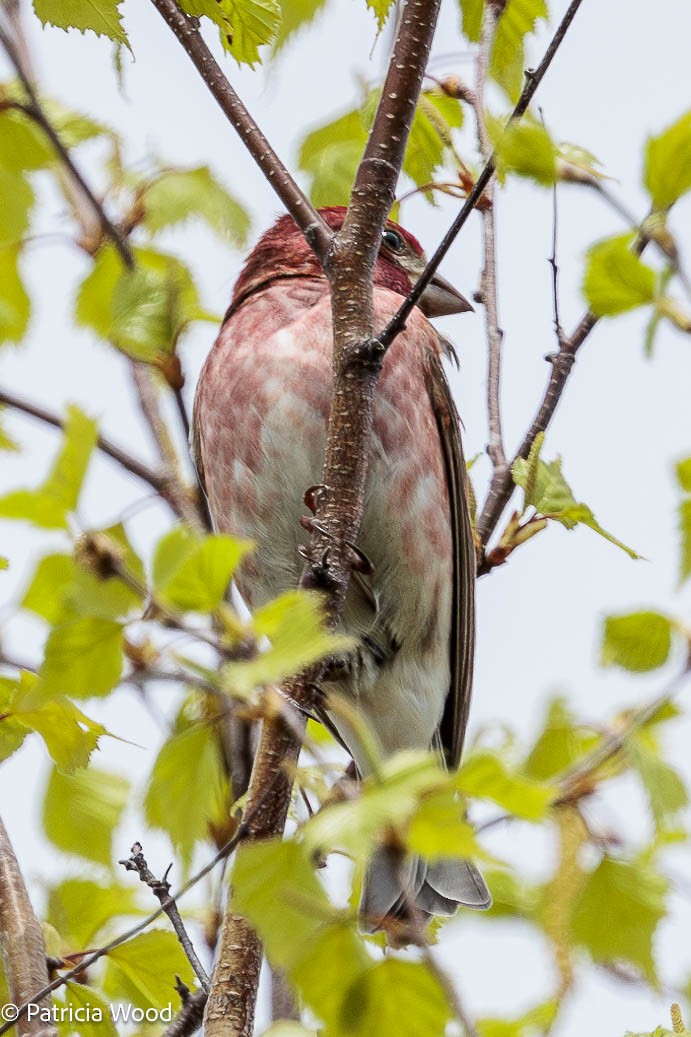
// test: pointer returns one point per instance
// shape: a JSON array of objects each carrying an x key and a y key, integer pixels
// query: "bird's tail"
[{"x": 394, "y": 883}]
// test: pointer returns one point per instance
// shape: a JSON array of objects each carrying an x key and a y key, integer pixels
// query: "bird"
[{"x": 258, "y": 438}]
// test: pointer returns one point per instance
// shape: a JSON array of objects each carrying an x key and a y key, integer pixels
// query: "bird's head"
[{"x": 283, "y": 252}]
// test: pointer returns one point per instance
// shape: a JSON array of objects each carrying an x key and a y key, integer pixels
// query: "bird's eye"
[{"x": 393, "y": 240}]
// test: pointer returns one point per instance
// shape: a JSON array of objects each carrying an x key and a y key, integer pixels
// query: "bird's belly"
[{"x": 264, "y": 446}]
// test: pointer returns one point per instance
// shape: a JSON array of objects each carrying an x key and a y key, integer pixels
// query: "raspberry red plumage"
[{"x": 260, "y": 428}]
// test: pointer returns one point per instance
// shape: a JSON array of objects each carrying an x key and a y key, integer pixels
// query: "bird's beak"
[{"x": 440, "y": 299}]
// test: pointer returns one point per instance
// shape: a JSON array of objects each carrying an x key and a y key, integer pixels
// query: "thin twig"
[
  {"x": 34, "y": 110},
  {"x": 558, "y": 329},
  {"x": 147, "y": 395},
  {"x": 533, "y": 80},
  {"x": 89, "y": 959},
  {"x": 449, "y": 988},
  {"x": 154, "y": 479},
  {"x": 78, "y": 189},
  {"x": 189, "y": 1018},
  {"x": 488, "y": 279},
  {"x": 296, "y": 202},
  {"x": 161, "y": 890},
  {"x": 576, "y": 782},
  {"x": 562, "y": 362}
]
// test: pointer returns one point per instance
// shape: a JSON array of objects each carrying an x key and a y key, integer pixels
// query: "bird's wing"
[{"x": 462, "y": 647}]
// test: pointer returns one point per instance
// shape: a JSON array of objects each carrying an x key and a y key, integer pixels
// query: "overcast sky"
[{"x": 622, "y": 74}]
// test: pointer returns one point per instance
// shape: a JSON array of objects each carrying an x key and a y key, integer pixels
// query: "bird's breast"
[{"x": 261, "y": 413}]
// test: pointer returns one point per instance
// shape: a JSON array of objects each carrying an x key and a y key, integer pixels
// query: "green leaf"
[
  {"x": 684, "y": 474},
  {"x": 524, "y": 148},
  {"x": 430, "y": 135},
  {"x": 381, "y": 10},
  {"x": 152, "y": 305},
  {"x": 14, "y": 218},
  {"x": 73, "y": 127},
  {"x": 631, "y": 897},
  {"x": 143, "y": 312},
  {"x": 294, "y": 624},
  {"x": 639, "y": 641},
  {"x": 83, "y": 657},
  {"x": 49, "y": 505},
  {"x": 15, "y": 306},
  {"x": 667, "y": 171},
  {"x": 82, "y": 1003},
  {"x": 471, "y": 18},
  {"x": 275, "y": 887},
  {"x": 44, "y": 594},
  {"x": 80, "y": 909},
  {"x": 615, "y": 279},
  {"x": 178, "y": 194},
  {"x": 288, "y": 1028},
  {"x": 546, "y": 490},
  {"x": 61, "y": 589},
  {"x": 437, "y": 829},
  {"x": 667, "y": 794},
  {"x": 272, "y": 883},
  {"x": 80, "y": 812},
  {"x": 386, "y": 802},
  {"x": 143, "y": 970},
  {"x": 101, "y": 16},
  {"x": 484, "y": 775},
  {"x": 69, "y": 735},
  {"x": 295, "y": 14},
  {"x": 330, "y": 156},
  {"x": 191, "y": 571},
  {"x": 560, "y": 743},
  {"x": 23, "y": 146},
  {"x": 507, "y": 62},
  {"x": 187, "y": 788},
  {"x": 12, "y": 733},
  {"x": 537, "y": 1020},
  {"x": 401, "y": 997},
  {"x": 244, "y": 25}
]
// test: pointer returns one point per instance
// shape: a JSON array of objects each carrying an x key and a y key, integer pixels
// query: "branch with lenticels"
[
  {"x": 348, "y": 264},
  {"x": 296, "y": 202}
]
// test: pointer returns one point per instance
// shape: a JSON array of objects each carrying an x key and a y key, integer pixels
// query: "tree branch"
[
  {"x": 533, "y": 80},
  {"x": 161, "y": 890},
  {"x": 156, "y": 480},
  {"x": 296, "y": 202},
  {"x": 502, "y": 485},
  {"x": 21, "y": 943},
  {"x": 357, "y": 362},
  {"x": 87, "y": 960},
  {"x": 34, "y": 110},
  {"x": 78, "y": 191},
  {"x": 488, "y": 279}
]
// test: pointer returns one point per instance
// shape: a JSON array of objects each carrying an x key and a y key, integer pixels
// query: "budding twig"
[{"x": 161, "y": 890}]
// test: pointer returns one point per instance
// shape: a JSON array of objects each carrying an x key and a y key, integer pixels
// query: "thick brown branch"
[
  {"x": 21, "y": 943},
  {"x": 357, "y": 362},
  {"x": 296, "y": 202},
  {"x": 533, "y": 80}
]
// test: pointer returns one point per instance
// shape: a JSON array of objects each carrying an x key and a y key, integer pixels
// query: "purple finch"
[{"x": 260, "y": 422}]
